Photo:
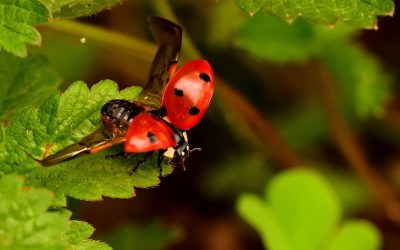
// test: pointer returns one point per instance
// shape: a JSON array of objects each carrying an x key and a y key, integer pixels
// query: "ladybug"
[{"x": 153, "y": 123}]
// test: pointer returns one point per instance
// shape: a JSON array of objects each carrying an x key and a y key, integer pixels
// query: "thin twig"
[{"x": 350, "y": 147}]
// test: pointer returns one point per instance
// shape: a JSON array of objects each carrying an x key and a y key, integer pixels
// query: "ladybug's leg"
[{"x": 145, "y": 158}]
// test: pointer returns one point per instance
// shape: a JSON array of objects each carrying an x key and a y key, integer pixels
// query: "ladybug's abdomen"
[{"x": 117, "y": 115}]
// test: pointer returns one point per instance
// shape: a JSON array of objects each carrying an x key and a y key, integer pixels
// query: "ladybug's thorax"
[{"x": 117, "y": 115}]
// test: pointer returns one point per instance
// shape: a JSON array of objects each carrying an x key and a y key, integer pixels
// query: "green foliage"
[
  {"x": 78, "y": 8},
  {"x": 16, "y": 20},
  {"x": 234, "y": 175},
  {"x": 64, "y": 120},
  {"x": 24, "y": 82},
  {"x": 77, "y": 235},
  {"x": 301, "y": 211},
  {"x": 359, "y": 13},
  {"x": 26, "y": 224},
  {"x": 272, "y": 39},
  {"x": 356, "y": 235},
  {"x": 18, "y": 16},
  {"x": 364, "y": 85},
  {"x": 148, "y": 237}
]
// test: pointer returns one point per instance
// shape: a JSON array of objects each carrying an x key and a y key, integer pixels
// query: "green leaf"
[
  {"x": 300, "y": 213},
  {"x": 356, "y": 235},
  {"x": 258, "y": 214},
  {"x": 16, "y": 18},
  {"x": 25, "y": 222},
  {"x": 78, "y": 8},
  {"x": 24, "y": 82},
  {"x": 272, "y": 39},
  {"x": 147, "y": 237},
  {"x": 306, "y": 206},
  {"x": 359, "y": 13},
  {"x": 364, "y": 85},
  {"x": 77, "y": 235},
  {"x": 64, "y": 120},
  {"x": 91, "y": 177}
]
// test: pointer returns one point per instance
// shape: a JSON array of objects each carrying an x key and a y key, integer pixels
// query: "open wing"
[
  {"x": 94, "y": 142},
  {"x": 169, "y": 38}
]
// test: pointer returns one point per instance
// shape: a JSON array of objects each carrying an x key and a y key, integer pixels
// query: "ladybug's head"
[{"x": 181, "y": 151}]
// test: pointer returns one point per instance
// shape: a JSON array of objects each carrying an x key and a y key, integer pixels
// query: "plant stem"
[
  {"x": 348, "y": 144},
  {"x": 141, "y": 49}
]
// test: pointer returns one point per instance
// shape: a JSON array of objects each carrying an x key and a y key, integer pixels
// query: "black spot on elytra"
[
  {"x": 178, "y": 92},
  {"x": 163, "y": 111},
  {"x": 194, "y": 111},
  {"x": 205, "y": 77},
  {"x": 152, "y": 137}
]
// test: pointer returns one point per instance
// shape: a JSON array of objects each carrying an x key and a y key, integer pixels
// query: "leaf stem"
[{"x": 349, "y": 145}]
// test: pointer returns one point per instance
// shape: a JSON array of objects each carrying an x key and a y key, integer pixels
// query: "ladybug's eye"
[{"x": 205, "y": 77}]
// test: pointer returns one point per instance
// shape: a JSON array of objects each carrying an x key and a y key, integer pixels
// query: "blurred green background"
[{"x": 324, "y": 97}]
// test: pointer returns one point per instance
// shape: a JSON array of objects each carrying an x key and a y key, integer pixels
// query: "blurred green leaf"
[
  {"x": 295, "y": 127},
  {"x": 24, "y": 82},
  {"x": 272, "y": 39},
  {"x": 16, "y": 20},
  {"x": 364, "y": 84},
  {"x": 147, "y": 237},
  {"x": 356, "y": 235},
  {"x": 359, "y": 13},
  {"x": 299, "y": 213},
  {"x": 224, "y": 22}
]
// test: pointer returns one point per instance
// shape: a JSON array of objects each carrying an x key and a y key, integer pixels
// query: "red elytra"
[
  {"x": 188, "y": 94},
  {"x": 148, "y": 133}
]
